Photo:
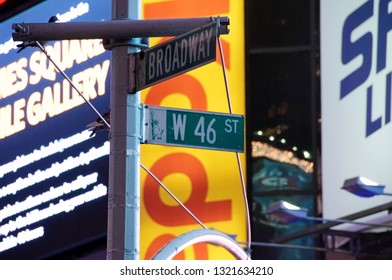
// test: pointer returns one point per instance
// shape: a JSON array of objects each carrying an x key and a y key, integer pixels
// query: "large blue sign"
[
  {"x": 356, "y": 100},
  {"x": 363, "y": 48},
  {"x": 53, "y": 172}
]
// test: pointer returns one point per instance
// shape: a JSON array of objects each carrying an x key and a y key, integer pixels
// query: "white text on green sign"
[
  {"x": 198, "y": 129},
  {"x": 176, "y": 56}
]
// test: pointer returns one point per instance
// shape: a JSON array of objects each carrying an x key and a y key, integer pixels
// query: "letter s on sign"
[
  {"x": 174, "y": 215},
  {"x": 360, "y": 47}
]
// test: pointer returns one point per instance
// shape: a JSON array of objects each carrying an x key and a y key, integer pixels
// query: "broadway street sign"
[
  {"x": 189, "y": 128},
  {"x": 176, "y": 56}
]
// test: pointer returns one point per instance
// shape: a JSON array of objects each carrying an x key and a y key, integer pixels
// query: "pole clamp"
[{"x": 142, "y": 43}]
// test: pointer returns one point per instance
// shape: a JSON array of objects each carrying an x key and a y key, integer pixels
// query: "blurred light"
[
  {"x": 271, "y": 138},
  {"x": 307, "y": 154},
  {"x": 295, "y": 148},
  {"x": 283, "y": 141},
  {"x": 363, "y": 187},
  {"x": 260, "y": 133},
  {"x": 260, "y": 149},
  {"x": 286, "y": 213}
]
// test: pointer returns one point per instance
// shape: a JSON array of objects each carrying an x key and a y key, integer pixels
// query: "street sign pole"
[{"x": 124, "y": 160}]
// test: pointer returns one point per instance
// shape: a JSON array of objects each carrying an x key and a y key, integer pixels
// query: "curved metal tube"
[{"x": 198, "y": 236}]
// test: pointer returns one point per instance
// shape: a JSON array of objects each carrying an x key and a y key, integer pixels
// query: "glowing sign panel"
[{"x": 52, "y": 173}]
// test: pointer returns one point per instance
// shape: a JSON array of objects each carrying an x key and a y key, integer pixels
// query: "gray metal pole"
[
  {"x": 115, "y": 29},
  {"x": 124, "y": 171}
]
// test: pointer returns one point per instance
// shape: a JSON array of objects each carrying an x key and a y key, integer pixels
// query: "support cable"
[
  {"x": 237, "y": 154},
  {"x": 173, "y": 196},
  {"x": 71, "y": 83}
]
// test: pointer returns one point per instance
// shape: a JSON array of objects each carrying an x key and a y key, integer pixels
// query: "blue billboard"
[
  {"x": 356, "y": 96},
  {"x": 53, "y": 171}
]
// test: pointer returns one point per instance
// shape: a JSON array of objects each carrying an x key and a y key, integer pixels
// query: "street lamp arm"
[
  {"x": 319, "y": 228},
  {"x": 343, "y": 221}
]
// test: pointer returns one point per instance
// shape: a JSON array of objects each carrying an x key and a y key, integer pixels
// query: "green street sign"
[
  {"x": 176, "y": 56},
  {"x": 190, "y": 128}
]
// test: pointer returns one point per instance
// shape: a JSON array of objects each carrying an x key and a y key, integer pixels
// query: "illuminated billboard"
[
  {"x": 53, "y": 172},
  {"x": 206, "y": 181},
  {"x": 356, "y": 101}
]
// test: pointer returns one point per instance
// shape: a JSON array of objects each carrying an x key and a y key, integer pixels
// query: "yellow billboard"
[{"x": 207, "y": 182}]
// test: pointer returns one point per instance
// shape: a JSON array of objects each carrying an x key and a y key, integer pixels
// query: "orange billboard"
[{"x": 207, "y": 182}]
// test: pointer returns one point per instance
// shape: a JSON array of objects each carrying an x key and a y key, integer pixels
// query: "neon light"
[
  {"x": 56, "y": 146},
  {"x": 21, "y": 238},
  {"x": 81, "y": 182},
  {"x": 55, "y": 170},
  {"x": 66, "y": 206}
]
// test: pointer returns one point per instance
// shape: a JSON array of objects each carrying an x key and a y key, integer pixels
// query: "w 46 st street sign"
[
  {"x": 174, "y": 57},
  {"x": 189, "y": 128},
  {"x": 177, "y": 127}
]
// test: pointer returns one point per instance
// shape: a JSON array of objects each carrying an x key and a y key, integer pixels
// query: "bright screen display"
[{"x": 53, "y": 171}]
